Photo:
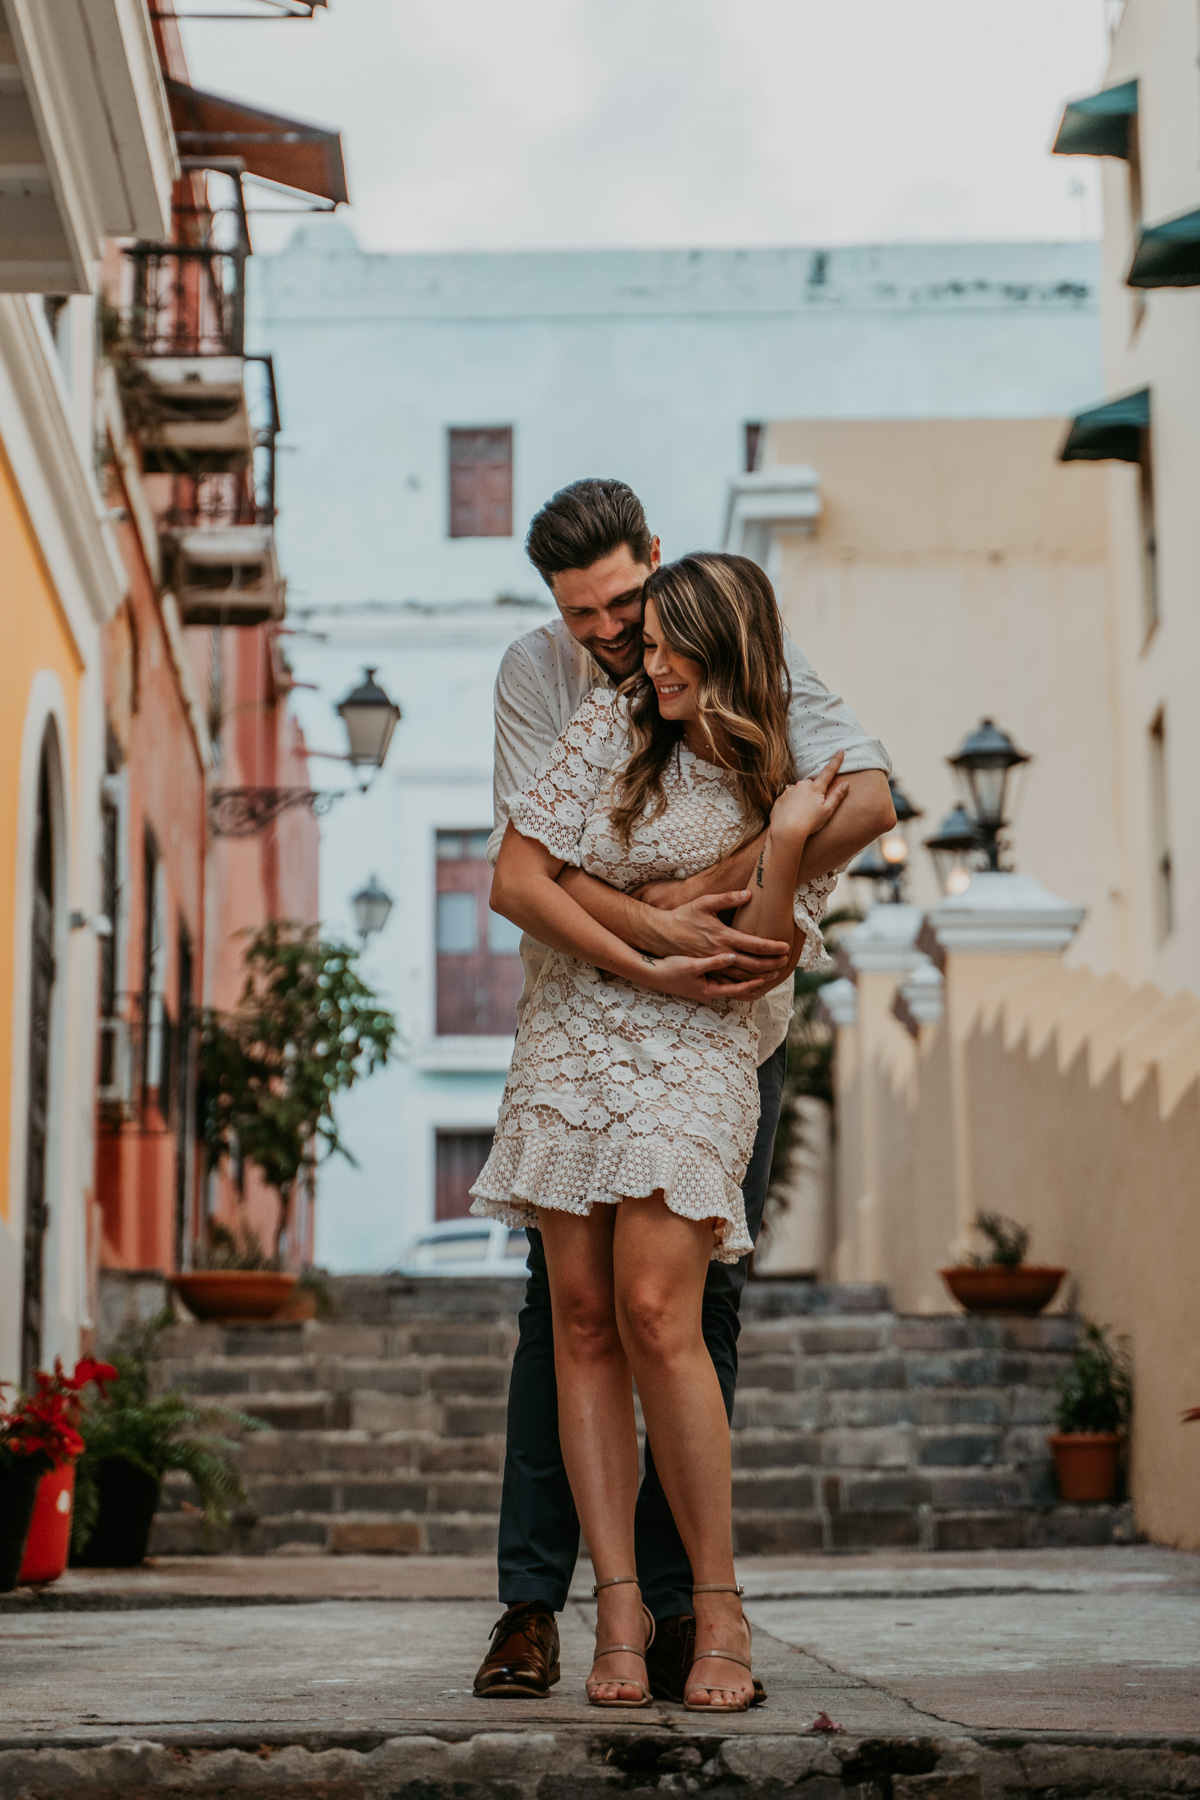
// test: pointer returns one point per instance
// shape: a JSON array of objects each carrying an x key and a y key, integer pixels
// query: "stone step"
[
  {"x": 384, "y": 1299},
  {"x": 364, "y": 1452},
  {"x": 817, "y": 1409}
]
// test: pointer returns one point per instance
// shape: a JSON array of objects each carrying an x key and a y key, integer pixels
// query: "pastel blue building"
[{"x": 431, "y": 403}]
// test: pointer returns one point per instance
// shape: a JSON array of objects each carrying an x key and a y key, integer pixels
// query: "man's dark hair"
[{"x": 584, "y": 522}]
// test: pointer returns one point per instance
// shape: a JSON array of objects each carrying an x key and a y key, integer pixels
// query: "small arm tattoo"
[
  {"x": 758, "y": 870},
  {"x": 647, "y": 958}
]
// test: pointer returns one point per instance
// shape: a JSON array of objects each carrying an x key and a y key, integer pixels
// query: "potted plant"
[
  {"x": 233, "y": 1278},
  {"x": 132, "y": 1437},
  {"x": 1001, "y": 1281},
  {"x": 39, "y": 1442},
  {"x": 305, "y": 1029},
  {"x": 1092, "y": 1410}
]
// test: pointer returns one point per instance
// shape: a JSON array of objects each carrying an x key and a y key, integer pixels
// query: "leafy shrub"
[
  {"x": 1096, "y": 1393},
  {"x": 1009, "y": 1241}
]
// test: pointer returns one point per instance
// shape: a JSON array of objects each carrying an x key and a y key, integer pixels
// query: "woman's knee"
[
  {"x": 585, "y": 1325},
  {"x": 657, "y": 1322}
]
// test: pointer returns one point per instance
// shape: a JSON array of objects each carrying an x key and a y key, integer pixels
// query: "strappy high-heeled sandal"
[
  {"x": 719, "y": 1587},
  {"x": 630, "y": 1649}
]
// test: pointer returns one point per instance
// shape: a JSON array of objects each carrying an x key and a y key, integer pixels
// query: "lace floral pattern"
[{"x": 615, "y": 1091}]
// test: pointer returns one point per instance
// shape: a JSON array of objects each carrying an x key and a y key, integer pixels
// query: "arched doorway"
[{"x": 41, "y": 990}]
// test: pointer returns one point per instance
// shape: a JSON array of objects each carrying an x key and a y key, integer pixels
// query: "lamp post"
[
  {"x": 983, "y": 763},
  {"x": 885, "y": 862},
  {"x": 370, "y": 716},
  {"x": 370, "y": 906},
  {"x": 955, "y": 848}
]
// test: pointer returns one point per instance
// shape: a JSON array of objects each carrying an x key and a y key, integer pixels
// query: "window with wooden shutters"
[
  {"x": 479, "y": 971},
  {"x": 481, "y": 482},
  {"x": 460, "y": 1156}
]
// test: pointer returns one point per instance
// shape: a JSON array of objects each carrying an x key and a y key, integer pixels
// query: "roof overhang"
[
  {"x": 786, "y": 498},
  {"x": 86, "y": 146},
  {"x": 307, "y": 158},
  {"x": 1098, "y": 125},
  {"x": 1109, "y": 433},
  {"x": 1168, "y": 255}
]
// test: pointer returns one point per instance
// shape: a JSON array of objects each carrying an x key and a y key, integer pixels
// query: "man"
[{"x": 592, "y": 546}]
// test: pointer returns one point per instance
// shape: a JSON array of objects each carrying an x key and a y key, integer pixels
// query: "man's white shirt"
[{"x": 545, "y": 677}]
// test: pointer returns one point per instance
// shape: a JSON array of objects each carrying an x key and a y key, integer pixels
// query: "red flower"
[{"x": 44, "y": 1423}]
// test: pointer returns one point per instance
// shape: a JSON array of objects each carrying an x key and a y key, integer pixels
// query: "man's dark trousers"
[{"x": 539, "y": 1530}]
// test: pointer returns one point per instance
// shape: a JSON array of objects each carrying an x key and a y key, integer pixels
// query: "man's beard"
[{"x": 630, "y": 642}]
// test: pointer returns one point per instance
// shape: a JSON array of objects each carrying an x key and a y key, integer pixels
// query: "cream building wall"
[
  {"x": 957, "y": 570},
  {"x": 1152, "y": 339}
]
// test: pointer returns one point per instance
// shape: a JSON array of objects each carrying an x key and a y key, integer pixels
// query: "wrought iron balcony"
[{"x": 184, "y": 299}]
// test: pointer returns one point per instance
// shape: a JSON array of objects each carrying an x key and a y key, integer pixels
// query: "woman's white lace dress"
[{"x": 613, "y": 1090}]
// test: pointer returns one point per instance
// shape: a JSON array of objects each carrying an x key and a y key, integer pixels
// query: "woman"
[{"x": 631, "y": 1104}]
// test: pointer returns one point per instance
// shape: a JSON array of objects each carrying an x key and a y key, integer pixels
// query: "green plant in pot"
[
  {"x": 1091, "y": 1411},
  {"x": 133, "y": 1437},
  {"x": 305, "y": 1029},
  {"x": 998, "y": 1279}
]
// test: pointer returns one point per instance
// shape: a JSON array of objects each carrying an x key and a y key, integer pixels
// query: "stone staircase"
[{"x": 854, "y": 1428}]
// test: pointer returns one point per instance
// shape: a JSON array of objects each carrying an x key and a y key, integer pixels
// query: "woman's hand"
[
  {"x": 805, "y": 807},
  {"x": 695, "y": 977}
]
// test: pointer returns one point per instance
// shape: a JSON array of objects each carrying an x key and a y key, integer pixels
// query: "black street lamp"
[
  {"x": 885, "y": 862},
  {"x": 983, "y": 764},
  {"x": 370, "y": 716},
  {"x": 370, "y": 906},
  {"x": 955, "y": 847}
]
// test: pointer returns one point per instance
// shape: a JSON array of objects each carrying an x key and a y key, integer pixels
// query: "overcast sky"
[{"x": 568, "y": 123}]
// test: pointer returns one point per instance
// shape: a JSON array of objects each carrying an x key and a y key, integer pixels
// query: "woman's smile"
[{"x": 676, "y": 678}]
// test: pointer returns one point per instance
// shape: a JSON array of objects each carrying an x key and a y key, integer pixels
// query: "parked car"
[{"x": 465, "y": 1247}]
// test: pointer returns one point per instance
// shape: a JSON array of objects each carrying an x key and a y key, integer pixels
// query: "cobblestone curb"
[{"x": 581, "y": 1764}]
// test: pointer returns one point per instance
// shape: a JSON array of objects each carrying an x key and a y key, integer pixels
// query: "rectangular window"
[
  {"x": 753, "y": 440},
  {"x": 481, "y": 482},
  {"x": 479, "y": 971},
  {"x": 1160, "y": 828},
  {"x": 460, "y": 1156}
]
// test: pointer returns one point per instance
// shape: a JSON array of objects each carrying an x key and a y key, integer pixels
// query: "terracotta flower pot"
[
  {"x": 1087, "y": 1464},
  {"x": 235, "y": 1294},
  {"x": 997, "y": 1288},
  {"x": 49, "y": 1537},
  {"x": 19, "y": 1481},
  {"x": 128, "y": 1498}
]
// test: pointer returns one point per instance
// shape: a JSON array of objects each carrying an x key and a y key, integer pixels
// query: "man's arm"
[{"x": 865, "y": 814}]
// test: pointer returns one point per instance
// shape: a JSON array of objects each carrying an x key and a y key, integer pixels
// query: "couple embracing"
[{"x": 675, "y": 793}]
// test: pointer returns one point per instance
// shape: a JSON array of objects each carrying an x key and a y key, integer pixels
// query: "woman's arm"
[
  {"x": 526, "y": 890},
  {"x": 799, "y": 813}
]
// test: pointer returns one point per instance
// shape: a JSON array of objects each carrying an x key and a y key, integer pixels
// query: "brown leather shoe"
[
  {"x": 670, "y": 1657},
  {"x": 523, "y": 1660}
]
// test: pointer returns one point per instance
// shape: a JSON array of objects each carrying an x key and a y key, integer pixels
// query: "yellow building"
[{"x": 85, "y": 120}]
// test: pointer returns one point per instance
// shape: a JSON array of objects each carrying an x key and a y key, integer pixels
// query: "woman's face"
[{"x": 676, "y": 678}]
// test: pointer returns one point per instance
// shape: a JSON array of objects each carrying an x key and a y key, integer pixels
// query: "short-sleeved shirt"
[{"x": 544, "y": 678}]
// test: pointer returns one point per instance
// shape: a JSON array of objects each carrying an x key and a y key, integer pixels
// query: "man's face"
[{"x": 602, "y": 607}]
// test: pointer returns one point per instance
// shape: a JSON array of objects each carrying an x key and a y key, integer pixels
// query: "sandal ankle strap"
[{"x": 614, "y": 1581}]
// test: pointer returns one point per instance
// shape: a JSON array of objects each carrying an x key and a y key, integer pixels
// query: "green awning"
[
  {"x": 1098, "y": 125},
  {"x": 1168, "y": 255},
  {"x": 1109, "y": 433}
]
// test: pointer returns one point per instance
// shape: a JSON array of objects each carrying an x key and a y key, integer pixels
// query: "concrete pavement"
[{"x": 307, "y": 1658}]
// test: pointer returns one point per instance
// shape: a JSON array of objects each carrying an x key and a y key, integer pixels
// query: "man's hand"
[{"x": 696, "y": 929}]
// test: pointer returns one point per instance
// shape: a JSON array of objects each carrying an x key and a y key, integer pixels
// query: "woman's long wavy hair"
[{"x": 720, "y": 612}]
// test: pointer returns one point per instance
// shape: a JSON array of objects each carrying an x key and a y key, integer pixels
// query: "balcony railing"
[
  {"x": 214, "y": 500},
  {"x": 184, "y": 299}
]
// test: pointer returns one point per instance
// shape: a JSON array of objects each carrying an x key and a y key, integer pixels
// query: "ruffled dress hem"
[{"x": 535, "y": 1170}]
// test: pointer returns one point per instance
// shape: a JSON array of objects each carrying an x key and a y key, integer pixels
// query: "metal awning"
[
  {"x": 307, "y": 158},
  {"x": 1109, "y": 433},
  {"x": 1168, "y": 255},
  {"x": 1098, "y": 125}
]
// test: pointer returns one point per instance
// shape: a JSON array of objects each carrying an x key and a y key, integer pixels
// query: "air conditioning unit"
[{"x": 117, "y": 1060}]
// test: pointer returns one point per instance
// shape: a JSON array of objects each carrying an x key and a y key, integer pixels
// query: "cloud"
[{"x": 644, "y": 122}]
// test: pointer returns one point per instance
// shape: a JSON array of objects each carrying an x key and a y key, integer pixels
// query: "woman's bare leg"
[
  {"x": 596, "y": 1428},
  {"x": 660, "y": 1262}
]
